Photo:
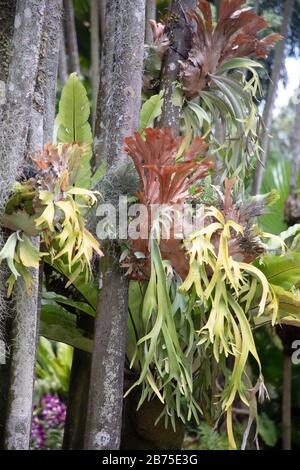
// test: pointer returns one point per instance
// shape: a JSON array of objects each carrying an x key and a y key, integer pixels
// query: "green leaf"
[
  {"x": 58, "y": 324},
  {"x": 151, "y": 110},
  {"x": 28, "y": 254},
  {"x": 283, "y": 271},
  {"x": 74, "y": 111},
  {"x": 200, "y": 113},
  {"x": 53, "y": 366},
  {"x": 239, "y": 63},
  {"x": 267, "y": 430},
  {"x": 276, "y": 177},
  {"x": 20, "y": 220},
  {"x": 83, "y": 307},
  {"x": 8, "y": 253},
  {"x": 73, "y": 125},
  {"x": 289, "y": 304},
  {"x": 89, "y": 290}
]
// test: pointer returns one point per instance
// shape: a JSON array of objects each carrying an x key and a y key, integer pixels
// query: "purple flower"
[
  {"x": 48, "y": 415},
  {"x": 53, "y": 411},
  {"x": 38, "y": 436}
]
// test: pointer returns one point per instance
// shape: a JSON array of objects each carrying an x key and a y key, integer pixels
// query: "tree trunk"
[
  {"x": 77, "y": 401},
  {"x": 71, "y": 38},
  {"x": 117, "y": 116},
  {"x": 7, "y": 15},
  {"x": 51, "y": 59},
  {"x": 256, "y": 5},
  {"x": 292, "y": 203},
  {"x": 150, "y": 15},
  {"x": 288, "y": 334},
  {"x": 286, "y": 402},
  {"x": 35, "y": 23},
  {"x": 179, "y": 49},
  {"x": 102, "y": 19},
  {"x": 24, "y": 334},
  {"x": 295, "y": 153},
  {"x": 271, "y": 96},
  {"x": 62, "y": 63},
  {"x": 95, "y": 53},
  {"x": 14, "y": 115}
]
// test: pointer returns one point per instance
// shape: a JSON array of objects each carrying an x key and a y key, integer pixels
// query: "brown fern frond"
[
  {"x": 163, "y": 180},
  {"x": 233, "y": 36}
]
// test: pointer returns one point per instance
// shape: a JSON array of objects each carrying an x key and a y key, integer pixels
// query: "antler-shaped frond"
[
  {"x": 163, "y": 179},
  {"x": 233, "y": 36}
]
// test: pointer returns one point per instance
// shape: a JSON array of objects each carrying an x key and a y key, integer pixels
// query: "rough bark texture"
[
  {"x": 150, "y": 15},
  {"x": 180, "y": 46},
  {"x": 53, "y": 20},
  {"x": 22, "y": 365},
  {"x": 71, "y": 38},
  {"x": 117, "y": 116},
  {"x": 95, "y": 53},
  {"x": 25, "y": 320},
  {"x": 104, "y": 418},
  {"x": 271, "y": 96},
  {"x": 14, "y": 115},
  {"x": 120, "y": 85},
  {"x": 102, "y": 7},
  {"x": 7, "y": 13}
]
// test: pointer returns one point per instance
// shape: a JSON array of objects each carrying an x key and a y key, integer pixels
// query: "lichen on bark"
[{"x": 117, "y": 116}]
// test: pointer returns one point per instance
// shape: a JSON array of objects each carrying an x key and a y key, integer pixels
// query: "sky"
[{"x": 285, "y": 93}]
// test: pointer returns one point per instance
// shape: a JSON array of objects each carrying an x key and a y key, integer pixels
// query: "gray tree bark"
[
  {"x": 24, "y": 336},
  {"x": 7, "y": 15},
  {"x": 102, "y": 7},
  {"x": 51, "y": 59},
  {"x": 95, "y": 52},
  {"x": 150, "y": 15},
  {"x": 181, "y": 43},
  {"x": 117, "y": 116},
  {"x": 19, "y": 89},
  {"x": 256, "y": 6},
  {"x": 71, "y": 38},
  {"x": 271, "y": 96},
  {"x": 25, "y": 320}
]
